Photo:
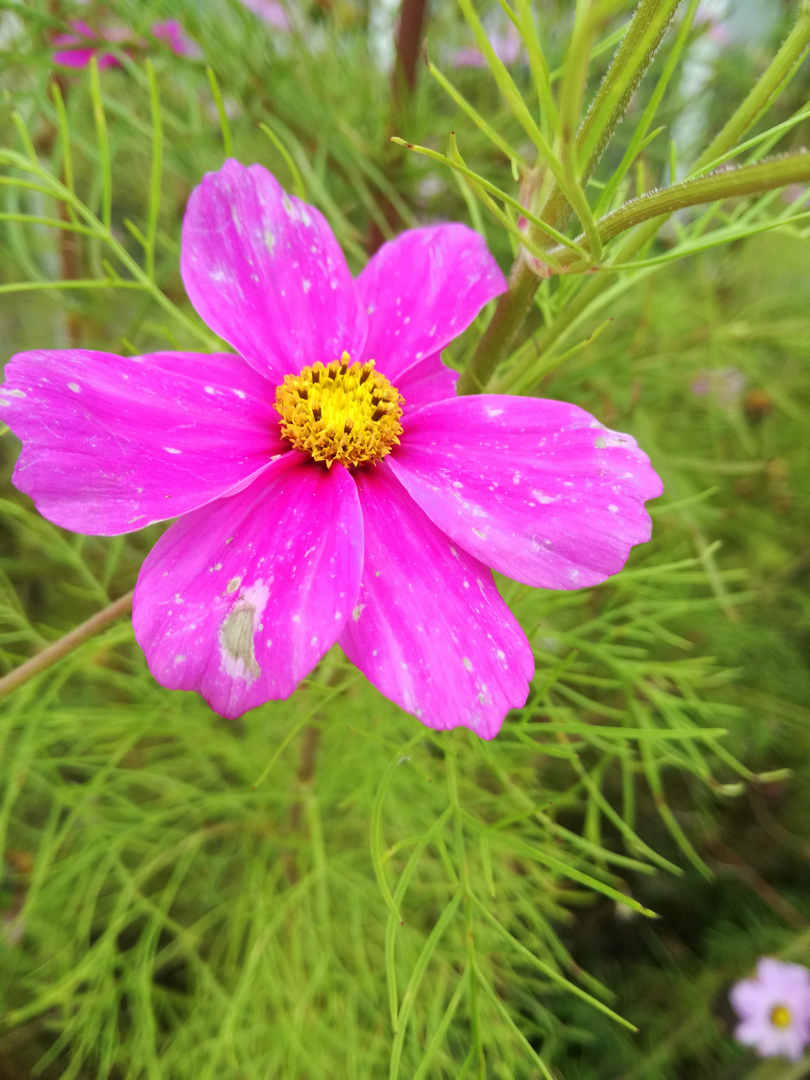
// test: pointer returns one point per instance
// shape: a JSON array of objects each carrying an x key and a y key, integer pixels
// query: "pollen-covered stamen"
[
  {"x": 340, "y": 412},
  {"x": 781, "y": 1016}
]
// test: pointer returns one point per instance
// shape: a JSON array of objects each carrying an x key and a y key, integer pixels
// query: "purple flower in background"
[
  {"x": 84, "y": 43},
  {"x": 171, "y": 33},
  {"x": 270, "y": 10},
  {"x": 725, "y": 385},
  {"x": 713, "y": 15},
  {"x": 507, "y": 45},
  {"x": 329, "y": 484},
  {"x": 774, "y": 1009},
  {"x": 79, "y": 47}
]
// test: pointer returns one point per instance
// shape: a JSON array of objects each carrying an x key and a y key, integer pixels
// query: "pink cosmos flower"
[
  {"x": 508, "y": 46},
  {"x": 86, "y": 42},
  {"x": 271, "y": 11},
  {"x": 329, "y": 484},
  {"x": 774, "y": 1009}
]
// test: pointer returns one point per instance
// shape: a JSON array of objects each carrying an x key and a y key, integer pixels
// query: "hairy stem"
[
  {"x": 513, "y": 306},
  {"x": 640, "y": 43},
  {"x": 750, "y": 180},
  {"x": 65, "y": 645},
  {"x": 635, "y": 54}
]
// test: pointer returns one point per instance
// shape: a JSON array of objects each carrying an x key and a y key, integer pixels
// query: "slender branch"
[
  {"x": 510, "y": 314},
  {"x": 412, "y": 16},
  {"x": 65, "y": 645},
  {"x": 733, "y": 183},
  {"x": 513, "y": 305},
  {"x": 635, "y": 54}
]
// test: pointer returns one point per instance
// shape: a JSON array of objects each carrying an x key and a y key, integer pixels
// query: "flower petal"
[
  {"x": 242, "y": 598},
  {"x": 749, "y": 998},
  {"x": 430, "y": 629},
  {"x": 421, "y": 290},
  {"x": 113, "y": 443},
  {"x": 79, "y": 58},
  {"x": 171, "y": 32},
  {"x": 751, "y": 1032},
  {"x": 427, "y": 381},
  {"x": 265, "y": 272},
  {"x": 271, "y": 11},
  {"x": 538, "y": 490}
]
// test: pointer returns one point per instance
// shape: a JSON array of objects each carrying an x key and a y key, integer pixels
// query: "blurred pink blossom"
[
  {"x": 79, "y": 47},
  {"x": 725, "y": 385},
  {"x": 718, "y": 30},
  {"x": 507, "y": 45},
  {"x": 270, "y": 10},
  {"x": 172, "y": 34},
  {"x": 774, "y": 1009}
]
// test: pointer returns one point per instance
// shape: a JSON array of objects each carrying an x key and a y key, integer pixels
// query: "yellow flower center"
[
  {"x": 340, "y": 412},
  {"x": 781, "y": 1016}
]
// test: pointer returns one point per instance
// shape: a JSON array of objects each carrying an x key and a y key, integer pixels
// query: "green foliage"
[{"x": 326, "y": 888}]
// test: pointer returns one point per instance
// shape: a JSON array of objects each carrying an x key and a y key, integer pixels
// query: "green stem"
[
  {"x": 505, "y": 324},
  {"x": 59, "y": 649},
  {"x": 644, "y": 34},
  {"x": 635, "y": 54},
  {"x": 749, "y": 180},
  {"x": 509, "y": 316}
]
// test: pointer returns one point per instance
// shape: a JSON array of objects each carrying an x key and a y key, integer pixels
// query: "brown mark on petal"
[{"x": 236, "y": 638}]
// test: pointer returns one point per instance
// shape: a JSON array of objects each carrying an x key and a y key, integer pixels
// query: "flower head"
[
  {"x": 774, "y": 1009},
  {"x": 271, "y": 11},
  {"x": 329, "y": 484},
  {"x": 84, "y": 42},
  {"x": 507, "y": 45}
]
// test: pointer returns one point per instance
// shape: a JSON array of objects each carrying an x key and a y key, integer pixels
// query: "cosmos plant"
[{"x": 356, "y": 460}]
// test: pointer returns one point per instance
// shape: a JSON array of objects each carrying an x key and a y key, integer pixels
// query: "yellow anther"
[
  {"x": 781, "y": 1016},
  {"x": 340, "y": 412}
]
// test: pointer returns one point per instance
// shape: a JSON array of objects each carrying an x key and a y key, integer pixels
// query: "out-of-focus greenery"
[{"x": 180, "y": 897}]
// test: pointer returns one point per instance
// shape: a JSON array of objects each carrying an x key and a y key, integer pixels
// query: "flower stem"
[
  {"x": 509, "y": 316},
  {"x": 750, "y": 180},
  {"x": 59, "y": 649},
  {"x": 640, "y": 43},
  {"x": 516, "y": 303},
  {"x": 636, "y": 52}
]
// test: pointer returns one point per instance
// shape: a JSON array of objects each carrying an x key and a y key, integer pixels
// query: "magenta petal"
[
  {"x": 538, "y": 490},
  {"x": 427, "y": 381},
  {"x": 172, "y": 34},
  {"x": 265, "y": 272},
  {"x": 430, "y": 629},
  {"x": 240, "y": 599},
  {"x": 74, "y": 58},
  {"x": 113, "y": 443},
  {"x": 421, "y": 290}
]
